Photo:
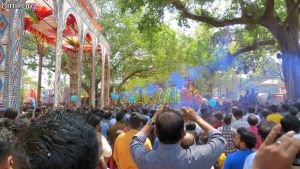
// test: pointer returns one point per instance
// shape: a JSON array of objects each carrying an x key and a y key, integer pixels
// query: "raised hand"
[
  {"x": 279, "y": 155},
  {"x": 189, "y": 114},
  {"x": 160, "y": 110}
]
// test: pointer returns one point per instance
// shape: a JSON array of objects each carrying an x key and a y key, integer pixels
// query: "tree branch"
[
  {"x": 134, "y": 73},
  {"x": 254, "y": 46},
  {"x": 44, "y": 66},
  {"x": 241, "y": 2},
  {"x": 269, "y": 12},
  {"x": 293, "y": 10},
  {"x": 179, "y": 5}
]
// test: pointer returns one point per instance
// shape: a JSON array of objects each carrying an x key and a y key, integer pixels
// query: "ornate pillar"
[
  {"x": 5, "y": 33},
  {"x": 13, "y": 20},
  {"x": 80, "y": 66},
  {"x": 60, "y": 27},
  {"x": 93, "y": 82}
]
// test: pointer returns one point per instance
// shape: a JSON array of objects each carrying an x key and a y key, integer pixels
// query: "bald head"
[{"x": 188, "y": 140}]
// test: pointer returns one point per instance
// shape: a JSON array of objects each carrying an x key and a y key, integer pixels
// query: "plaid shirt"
[{"x": 228, "y": 133}]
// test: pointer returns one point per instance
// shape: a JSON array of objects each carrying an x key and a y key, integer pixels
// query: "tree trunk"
[
  {"x": 41, "y": 52},
  {"x": 73, "y": 77},
  {"x": 210, "y": 89},
  {"x": 289, "y": 46}
]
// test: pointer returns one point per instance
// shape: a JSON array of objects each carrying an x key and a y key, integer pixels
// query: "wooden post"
[
  {"x": 93, "y": 76},
  {"x": 80, "y": 67}
]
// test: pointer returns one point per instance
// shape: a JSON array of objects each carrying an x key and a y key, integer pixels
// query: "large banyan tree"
[{"x": 273, "y": 23}]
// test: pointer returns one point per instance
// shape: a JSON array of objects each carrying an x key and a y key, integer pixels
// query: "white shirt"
[
  {"x": 107, "y": 152},
  {"x": 248, "y": 114},
  {"x": 249, "y": 161}
]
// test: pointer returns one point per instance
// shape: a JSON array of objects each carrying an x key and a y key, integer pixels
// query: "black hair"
[
  {"x": 120, "y": 116},
  {"x": 290, "y": 123},
  {"x": 169, "y": 126},
  {"x": 144, "y": 119},
  {"x": 24, "y": 109},
  {"x": 135, "y": 120},
  {"x": 265, "y": 113},
  {"x": 293, "y": 111},
  {"x": 107, "y": 115},
  {"x": 99, "y": 113},
  {"x": 265, "y": 128},
  {"x": 6, "y": 141},
  {"x": 20, "y": 125},
  {"x": 145, "y": 111},
  {"x": 190, "y": 126},
  {"x": 152, "y": 112},
  {"x": 227, "y": 119},
  {"x": 234, "y": 109},
  {"x": 252, "y": 120},
  {"x": 58, "y": 140},
  {"x": 93, "y": 119},
  {"x": 297, "y": 105},
  {"x": 273, "y": 108},
  {"x": 204, "y": 110},
  {"x": 124, "y": 111},
  {"x": 238, "y": 113},
  {"x": 6, "y": 123},
  {"x": 10, "y": 113},
  {"x": 251, "y": 109},
  {"x": 218, "y": 115},
  {"x": 285, "y": 107},
  {"x": 247, "y": 137}
]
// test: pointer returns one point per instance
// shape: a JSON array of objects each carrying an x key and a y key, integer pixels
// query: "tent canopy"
[{"x": 41, "y": 22}]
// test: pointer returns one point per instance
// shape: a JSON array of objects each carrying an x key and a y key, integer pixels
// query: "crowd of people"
[{"x": 151, "y": 137}]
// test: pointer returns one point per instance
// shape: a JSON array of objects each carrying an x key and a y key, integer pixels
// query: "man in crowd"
[
  {"x": 57, "y": 141},
  {"x": 290, "y": 123},
  {"x": 274, "y": 116},
  {"x": 263, "y": 130},
  {"x": 218, "y": 119},
  {"x": 94, "y": 120},
  {"x": 253, "y": 121},
  {"x": 280, "y": 155},
  {"x": 6, "y": 141},
  {"x": 10, "y": 113},
  {"x": 120, "y": 125},
  {"x": 122, "y": 144},
  {"x": 251, "y": 111},
  {"x": 228, "y": 133},
  {"x": 285, "y": 109},
  {"x": 170, "y": 155},
  {"x": 293, "y": 111},
  {"x": 240, "y": 122},
  {"x": 244, "y": 140},
  {"x": 105, "y": 124}
]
